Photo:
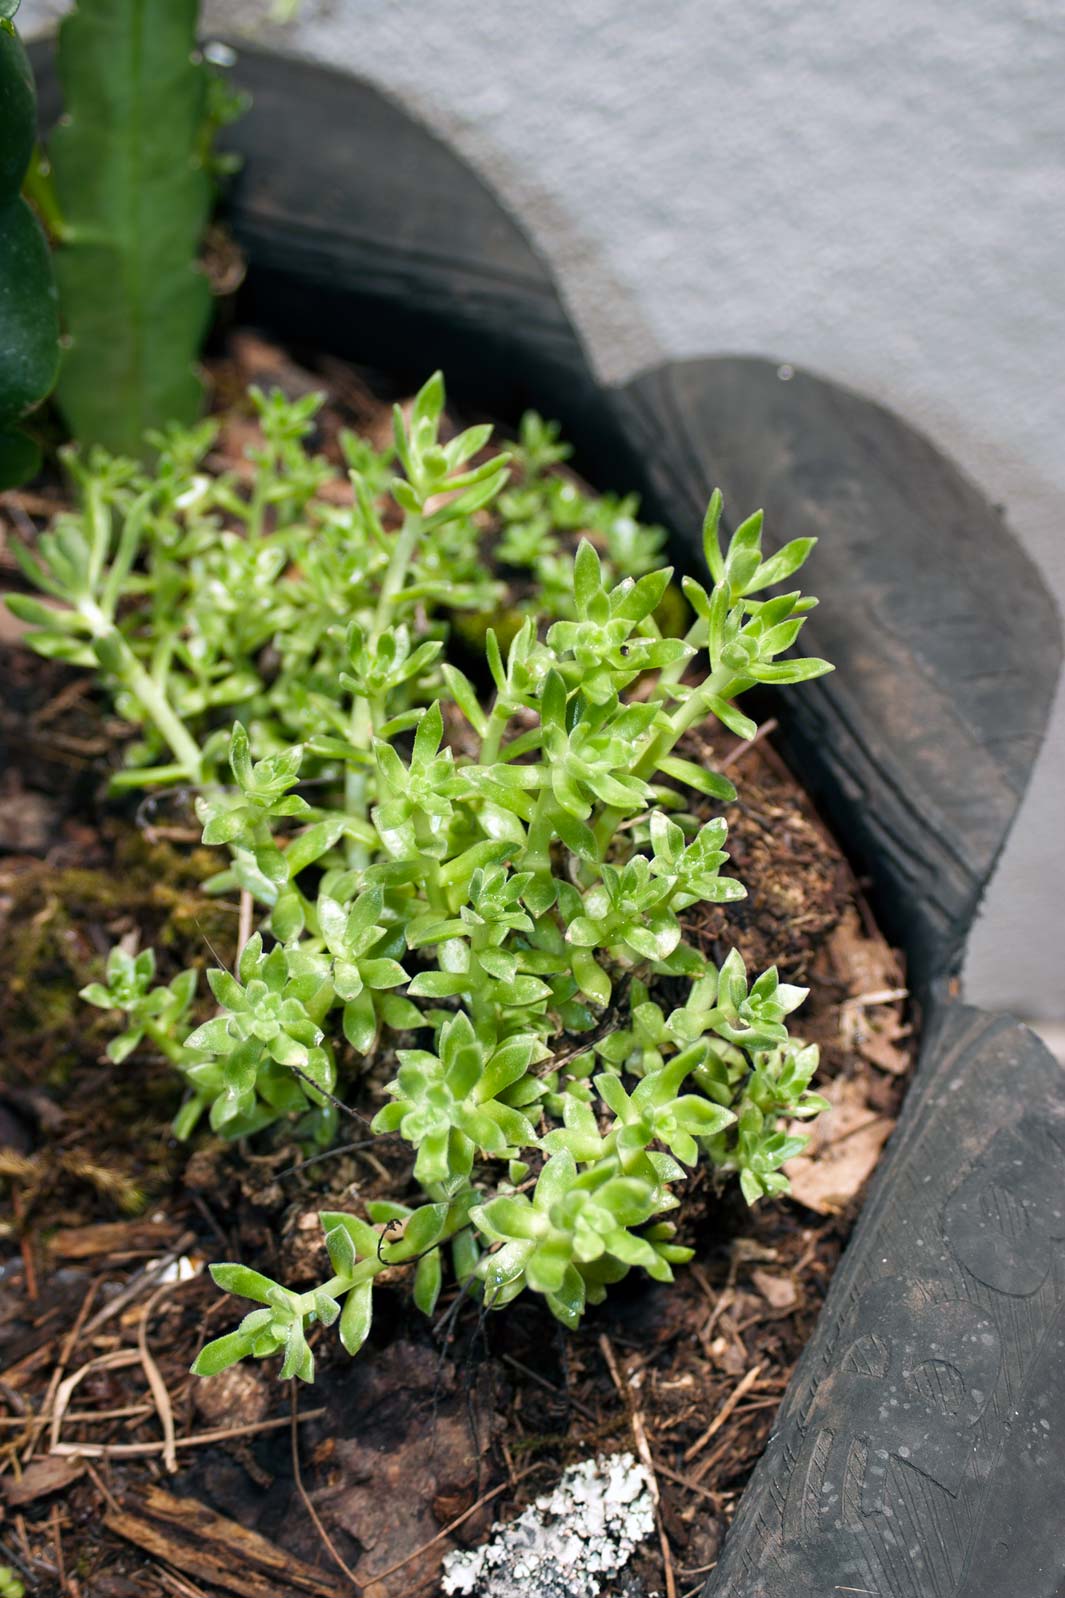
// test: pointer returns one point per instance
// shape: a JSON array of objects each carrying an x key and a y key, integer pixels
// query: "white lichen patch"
[{"x": 567, "y": 1543}]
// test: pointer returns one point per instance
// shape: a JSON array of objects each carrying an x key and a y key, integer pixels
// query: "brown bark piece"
[
  {"x": 49, "y": 1475},
  {"x": 113, "y": 1237},
  {"x": 212, "y": 1549}
]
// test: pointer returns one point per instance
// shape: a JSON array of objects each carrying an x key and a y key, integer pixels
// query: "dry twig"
[
  {"x": 145, "y": 1278},
  {"x": 102, "y": 1488},
  {"x": 156, "y": 1384},
  {"x": 178, "y": 1584},
  {"x": 558, "y": 1392},
  {"x": 745, "y": 745},
  {"x": 327, "y": 1541},
  {"x": 643, "y": 1448},
  {"x": 218, "y": 1434},
  {"x": 739, "y": 1391},
  {"x": 690, "y": 1483},
  {"x": 57, "y": 1544},
  {"x": 38, "y": 1422},
  {"x": 115, "y": 1360}
]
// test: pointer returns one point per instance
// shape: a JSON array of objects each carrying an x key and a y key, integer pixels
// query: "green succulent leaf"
[
  {"x": 247, "y": 1283},
  {"x": 220, "y": 1354},
  {"x": 356, "y": 1317}
]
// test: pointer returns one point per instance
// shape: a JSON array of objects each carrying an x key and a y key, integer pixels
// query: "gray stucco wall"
[{"x": 871, "y": 188}]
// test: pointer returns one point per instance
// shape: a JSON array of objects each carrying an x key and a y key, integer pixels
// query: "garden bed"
[{"x": 461, "y": 1420}]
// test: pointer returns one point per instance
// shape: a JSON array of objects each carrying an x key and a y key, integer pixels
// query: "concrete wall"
[{"x": 872, "y": 188}]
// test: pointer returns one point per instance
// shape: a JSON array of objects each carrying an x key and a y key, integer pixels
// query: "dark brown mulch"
[{"x": 434, "y": 1426}]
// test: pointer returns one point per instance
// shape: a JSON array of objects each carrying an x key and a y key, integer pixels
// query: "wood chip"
[
  {"x": 209, "y": 1548},
  {"x": 779, "y": 1292},
  {"x": 44, "y": 1476},
  {"x": 113, "y": 1237},
  {"x": 23, "y": 1370}
]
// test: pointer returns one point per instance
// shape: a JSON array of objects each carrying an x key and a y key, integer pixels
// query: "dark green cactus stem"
[
  {"x": 29, "y": 321},
  {"x": 134, "y": 193}
]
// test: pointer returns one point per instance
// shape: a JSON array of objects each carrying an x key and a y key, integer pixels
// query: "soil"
[{"x": 113, "y": 1480}]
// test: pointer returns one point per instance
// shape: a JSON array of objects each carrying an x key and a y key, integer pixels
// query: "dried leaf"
[
  {"x": 842, "y": 1152},
  {"x": 886, "y": 1042},
  {"x": 865, "y": 964}
]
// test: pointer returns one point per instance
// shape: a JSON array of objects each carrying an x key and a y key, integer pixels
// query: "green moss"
[{"x": 60, "y": 921}]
